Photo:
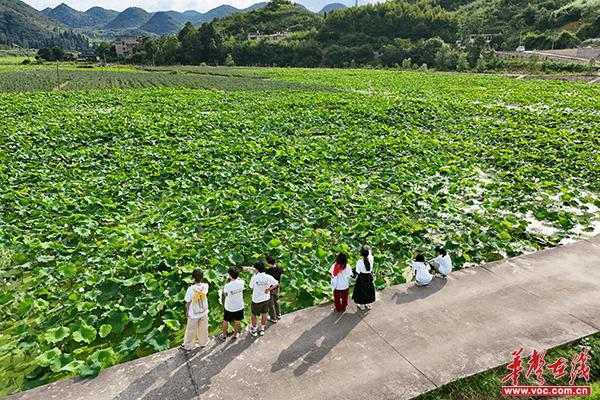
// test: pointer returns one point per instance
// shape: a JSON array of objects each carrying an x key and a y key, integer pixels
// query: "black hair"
[
  {"x": 259, "y": 266},
  {"x": 342, "y": 259},
  {"x": 441, "y": 250},
  {"x": 198, "y": 275},
  {"x": 270, "y": 259},
  {"x": 364, "y": 252},
  {"x": 420, "y": 258},
  {"x": 233, "y": 272}
]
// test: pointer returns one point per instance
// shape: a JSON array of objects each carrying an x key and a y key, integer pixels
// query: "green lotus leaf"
[
  {"x": 85, "y": 333},
  {"x": 57, "y": 334},
  {"x": 104, "y": 330},
  {"x": 128, "y": 345}
]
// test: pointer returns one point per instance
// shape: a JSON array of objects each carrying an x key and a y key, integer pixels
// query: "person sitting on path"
[
  {"x": 234, "y": 304},
  {"x": 340, "y": 281},
  {"x": 276, "y": 272},
  {"x": 364, "y": 289},
  {"x": 442, "y": 263},
  {"x": 196, "y": 310},
  {"x": 421, "y": 269},
  {"x": 261, "y": 285}
]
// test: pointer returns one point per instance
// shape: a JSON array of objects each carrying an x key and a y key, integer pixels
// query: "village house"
[
  {"x": 126, "y": 46},
  {"x": 275, "y": 37}
]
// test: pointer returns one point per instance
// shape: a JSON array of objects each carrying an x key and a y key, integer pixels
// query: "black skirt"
[{"x": 364, "y": 290}]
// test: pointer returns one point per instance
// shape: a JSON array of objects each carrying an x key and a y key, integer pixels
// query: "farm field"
[
  {"x": 110, "y": 198},
  {"x": 43, "y": 78}
]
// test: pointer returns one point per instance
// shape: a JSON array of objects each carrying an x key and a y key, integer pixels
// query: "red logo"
[{"x": 537, "y": 365}]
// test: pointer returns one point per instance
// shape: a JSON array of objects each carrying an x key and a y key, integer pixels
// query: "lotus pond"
[{"x": 109, "y": 199}]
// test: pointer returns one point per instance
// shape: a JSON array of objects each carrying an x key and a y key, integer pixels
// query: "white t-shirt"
[
  {"x": 259, "y": 283},
  {"x": 422, "y": 274},
  {"x": 445, "y": 264},
  {"x": 234, "y": 295},
  {"x": 342, "y": 280},
  {"x": 360, "y": 265},
  {"x": 189, "y": 296}
]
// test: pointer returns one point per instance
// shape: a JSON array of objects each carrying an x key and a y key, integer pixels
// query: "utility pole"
[{"x": 57, "y": 77}]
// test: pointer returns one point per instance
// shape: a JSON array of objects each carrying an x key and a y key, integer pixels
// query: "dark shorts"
[
  {"x": 231, "y": 316},
  {"x": 260, "y": 308}
]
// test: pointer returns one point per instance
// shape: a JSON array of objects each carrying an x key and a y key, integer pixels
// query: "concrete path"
[{"x": 414, "y": 340}]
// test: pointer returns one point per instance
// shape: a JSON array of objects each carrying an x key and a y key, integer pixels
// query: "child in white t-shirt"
[
  {"x": 196, "y": 307},
  {"x": 421, "y": 268},
  {"x": 234, "y": 304},
  {"x": 442, "y": 262},
  {"x": 261, "y": 285}
]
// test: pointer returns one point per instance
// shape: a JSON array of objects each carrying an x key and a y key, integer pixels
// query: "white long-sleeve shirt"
[
  {"x": 342, "y": 280},
  {"x": 445, "y": 263},
  {"x": 422, "y": 274},
  {"x": 361, "y": 268}
]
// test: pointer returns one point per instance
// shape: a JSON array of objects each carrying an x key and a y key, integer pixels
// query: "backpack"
[{"x": 199, "y": 302}]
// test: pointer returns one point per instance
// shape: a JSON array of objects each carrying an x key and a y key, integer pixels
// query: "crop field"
[
  {"x": 110, "y": 198},
  {"x": 45, "y": 78}
]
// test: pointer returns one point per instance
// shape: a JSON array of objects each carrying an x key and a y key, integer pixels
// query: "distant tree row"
[{"x": 419, "y": 32}]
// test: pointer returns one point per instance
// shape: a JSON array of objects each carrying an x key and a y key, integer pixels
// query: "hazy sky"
[{"x": 179, "y": 5}]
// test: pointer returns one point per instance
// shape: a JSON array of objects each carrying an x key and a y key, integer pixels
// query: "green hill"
[
  {"x": 95, "y": 17},
  {"x": 98, "y": 16},
  {"x": 25, "y": 26},
  {"x": 131, "y": 18},
  {"x": 65, "y": 15},
  {"x": 332, "y": 7},
  {"x": 161, "y": 23},
  {"x": 276, "y": 16},
  {"x": 186, "y": 16},
  {"x": 539, "y": 23}
]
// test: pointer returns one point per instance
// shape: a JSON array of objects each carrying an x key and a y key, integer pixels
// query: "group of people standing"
[
  {"x": 265, "y": 285},
  {"x": 364, "y": 289},
  {"x": 265, "y": 303}
]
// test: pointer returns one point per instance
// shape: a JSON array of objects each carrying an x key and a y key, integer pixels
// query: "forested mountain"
[
  {"x": 277, "y": 16},
  {"x": 95, "y": 17},
  {"x": 332, "y": 7},
  {"x": 130, "y": 18},
  {"x": 24, "y": 26},
  {"x": 161, "y": 23},
  {"x": 381, "y": 23},
  {"x": 98, "y": 16},
  {"x": 183, "y": 17},
  {"x": 538, "y": 23}
]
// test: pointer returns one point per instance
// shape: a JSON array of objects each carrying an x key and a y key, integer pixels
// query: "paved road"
[{"x": 414, "y": 339}]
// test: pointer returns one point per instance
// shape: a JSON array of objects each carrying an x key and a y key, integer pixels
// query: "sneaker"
[
  {"x": 273, "y": 321},
  {"x": 182, "y": 347},
  {"x": 221, "y": 337},
  {"x": 254, "y": 332},
  {"x": 261, "y": 332},
  {"x": 234, "y": 337},
  {"x": 369, "y": 306},
  {"x": 278, "y": 317},
  {"x": 360, "y": 307}
]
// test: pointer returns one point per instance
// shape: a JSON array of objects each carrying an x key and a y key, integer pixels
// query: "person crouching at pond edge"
[
  {"x": 364, "y": 289},
  {"x": 421, "y": 268},
  {"x": 196, "y": 307},
  {"x": 340, "y": 281},
  {"x": 442, "y": 262},
  {"x": 261, "y": 285}
]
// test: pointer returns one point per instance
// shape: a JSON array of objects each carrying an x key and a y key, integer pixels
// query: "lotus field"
[{"x": 109, "y": 199}]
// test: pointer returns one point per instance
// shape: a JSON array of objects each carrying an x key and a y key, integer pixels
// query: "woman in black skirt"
[{"x": 364, "y": 290}]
